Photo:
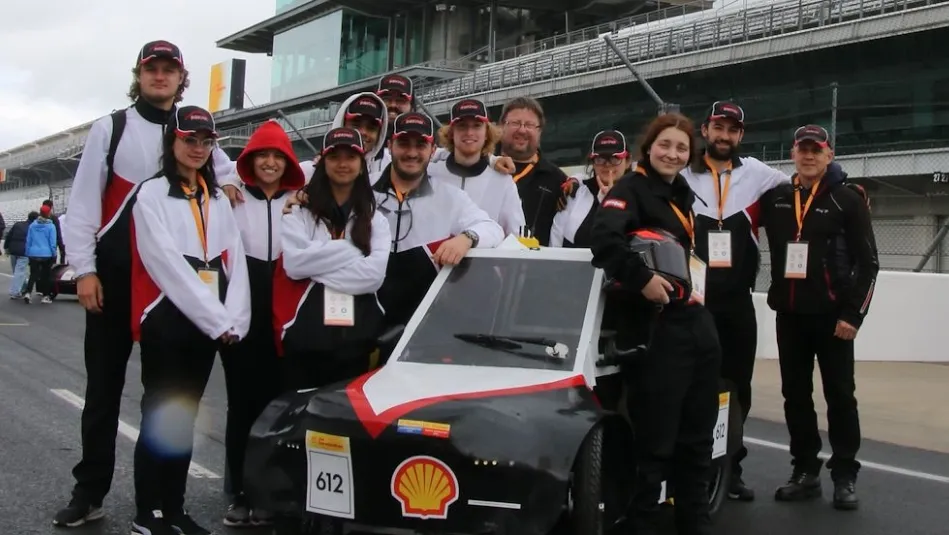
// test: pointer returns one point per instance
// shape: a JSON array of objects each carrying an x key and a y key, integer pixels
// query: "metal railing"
[{"x": 689, "y": 33}]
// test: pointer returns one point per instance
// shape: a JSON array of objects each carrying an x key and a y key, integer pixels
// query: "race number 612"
[
  {"x": 720, "y": 431},
  {"x": 329, "y": 482}
]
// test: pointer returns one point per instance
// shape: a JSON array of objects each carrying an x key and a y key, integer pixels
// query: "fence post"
[
  {"x": 833, "y": 115},
  {"x": 932, "y": 246}
]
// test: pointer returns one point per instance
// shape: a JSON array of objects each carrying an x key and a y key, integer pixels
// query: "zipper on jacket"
[
  {"x": 398, "y": 228},
  {"x": 270, "y": 234}
]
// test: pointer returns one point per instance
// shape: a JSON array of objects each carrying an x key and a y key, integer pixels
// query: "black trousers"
[
  {"x": 738, "y": 334},
  {"x": 253, "y": 377},
  {"x": 315, "y": 369},
  {"x": 107, "y": 346},
  {"x": 800, "y": 338},
  {"x": 41, "y": 276},
  {"x": 174, "y": 376},
  {"x": 673, "y": 404}
]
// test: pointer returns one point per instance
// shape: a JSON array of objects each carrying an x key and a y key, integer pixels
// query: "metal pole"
[
  {"x": 663, "y": 106},
  {"x": 933, "y": 246},
  {"x": 833, "y": 115},
  {"x": 424, "y": 108},
  {"x": 297, "y": 132}
]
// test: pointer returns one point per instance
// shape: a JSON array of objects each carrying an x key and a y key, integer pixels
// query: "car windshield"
[{"x": 504, "y": 297}]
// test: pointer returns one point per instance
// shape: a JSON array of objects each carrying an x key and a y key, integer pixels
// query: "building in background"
[{"x": 871, "y": 71}]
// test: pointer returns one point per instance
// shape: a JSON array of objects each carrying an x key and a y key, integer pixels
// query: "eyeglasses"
[
  {"x": 517, "y": 125},
  {"x": 603, "y": 160},
  {"x": 193, "y": 142}
]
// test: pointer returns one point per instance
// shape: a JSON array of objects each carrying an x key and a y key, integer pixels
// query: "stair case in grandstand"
[{"x": 664, "y": 38}]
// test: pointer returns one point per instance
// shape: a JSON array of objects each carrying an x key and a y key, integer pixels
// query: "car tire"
[
  {"x": 719, "y": 480},
  {"x": 586, "y": 515}
]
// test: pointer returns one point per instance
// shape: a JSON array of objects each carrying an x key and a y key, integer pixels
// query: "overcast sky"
[{"x": 65, "y": 62}]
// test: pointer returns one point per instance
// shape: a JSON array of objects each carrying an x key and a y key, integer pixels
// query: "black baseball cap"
[
  {"x": 366, "y": 106},
  {"x": 812, "y": 132},
  {"x": 724, "y": 109},
  {"x": 192, "y": 119},
  {"x": 469, "y": 107},
  {"x": 609, "y": 143},
  {"x": 414, "y": 122},
  {"x": 160, "y": 49},
  {"x": 396, "y": 85},
  {"x": 343, "y": 137}
]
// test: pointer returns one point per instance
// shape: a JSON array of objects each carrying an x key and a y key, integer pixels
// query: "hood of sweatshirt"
[
  {"x": 271, "y": 135},
  {"x": 340, "y": 121}
]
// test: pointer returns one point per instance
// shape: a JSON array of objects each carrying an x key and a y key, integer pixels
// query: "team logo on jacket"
[
  {"x": 619, "y": 204},
  {"x": 425, "y": 487}
]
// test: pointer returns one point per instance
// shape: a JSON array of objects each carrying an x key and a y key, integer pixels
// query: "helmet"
[{"x": 664, "y": 255}]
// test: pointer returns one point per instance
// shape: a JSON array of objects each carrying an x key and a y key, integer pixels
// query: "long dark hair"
[
  {"x": 322, "y": 203},
  {"x": 169, "y": 164}
]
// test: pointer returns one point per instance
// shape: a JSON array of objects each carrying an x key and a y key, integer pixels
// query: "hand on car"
[
  {"x": 845, "y": 331},
  {"x": 450, "y": 252},
  {"x": 657, "y": 290}
]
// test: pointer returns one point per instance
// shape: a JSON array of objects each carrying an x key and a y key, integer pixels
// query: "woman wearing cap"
[
  {"x": 269, "y": 172},
  {"x": 470, "y": 139},
  {"x": 673, "y": 387},
  {"x": 335, "y": 253},
  {"x": 190, "y": 294},
  {"x": 609, "y": 160}
]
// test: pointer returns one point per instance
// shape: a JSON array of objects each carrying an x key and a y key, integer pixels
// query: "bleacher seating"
[{"x": 16, "y": 204}]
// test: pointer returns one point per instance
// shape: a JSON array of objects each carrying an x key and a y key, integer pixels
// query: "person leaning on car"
[
  {"x": 672, "y": 388},
  {"x": 823, "y": 270}
]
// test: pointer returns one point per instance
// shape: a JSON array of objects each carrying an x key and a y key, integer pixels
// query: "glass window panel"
[
  {"x": 308, "y": 57},
  {"x": 364, "y": 46}
]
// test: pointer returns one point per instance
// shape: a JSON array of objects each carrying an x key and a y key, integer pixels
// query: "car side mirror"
[{"x": 391, "y": 336}]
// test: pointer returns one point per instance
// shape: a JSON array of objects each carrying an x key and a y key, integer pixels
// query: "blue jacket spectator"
[{"x": 41, "y": 239}]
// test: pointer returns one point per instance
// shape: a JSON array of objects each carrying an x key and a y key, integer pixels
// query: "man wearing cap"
[
  {"x": 823, "y": 271},
  {"x": 728, "y": 188},
  {"x": 120, "y": 152},
  {"x": 470, "y": 138},
  {"x": 432, "y": 223}
]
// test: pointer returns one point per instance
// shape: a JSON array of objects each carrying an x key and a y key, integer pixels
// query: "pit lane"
[{"x": 42, "y": 383}]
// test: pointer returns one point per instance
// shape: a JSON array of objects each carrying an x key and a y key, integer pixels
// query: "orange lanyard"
[
  {"x": 721, "y": 193},
  {"x": 526, "y": 171},
  {"x": 807, "y": 206},
  {"x": 200, "y": 216},
  {"x": 338, "y": 235},
  {"x": 688, "y": 224}
]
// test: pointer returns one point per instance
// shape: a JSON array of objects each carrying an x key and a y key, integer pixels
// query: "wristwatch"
[{"x": 473, "y": 236}]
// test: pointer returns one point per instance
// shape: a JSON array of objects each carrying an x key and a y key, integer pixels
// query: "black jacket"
[
  {"x": 15, "y": 243},
  {"x": 842, "y": 263},
  {"x": 540, "y": 190}
]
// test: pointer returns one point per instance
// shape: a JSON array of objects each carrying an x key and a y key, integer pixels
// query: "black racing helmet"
[{"x": 664, "y": 255}]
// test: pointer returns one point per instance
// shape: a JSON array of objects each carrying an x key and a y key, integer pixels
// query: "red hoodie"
[{"x": 271, "y": 135}]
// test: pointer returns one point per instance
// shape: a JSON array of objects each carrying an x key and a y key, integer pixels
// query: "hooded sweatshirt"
[
  {"x": 41, "y": 239},
  {"x": 258, "y": 219},
  {"x": 377, "y": 156}
]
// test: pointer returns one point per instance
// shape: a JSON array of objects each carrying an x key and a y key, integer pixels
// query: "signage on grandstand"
[
  {"x": 226, "y": 90},
  {"x": 3, "y": 176}
]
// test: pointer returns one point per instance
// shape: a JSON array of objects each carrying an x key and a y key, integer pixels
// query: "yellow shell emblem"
[{"x": 425, "y": 487}]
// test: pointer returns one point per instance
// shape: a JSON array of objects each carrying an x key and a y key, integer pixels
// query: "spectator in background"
[
  {"x": 3, "y": 225},
  {"x": 59, "y": 232},
  {"x": 41, "y": 240},
  {"x": 15, "y": 246}
]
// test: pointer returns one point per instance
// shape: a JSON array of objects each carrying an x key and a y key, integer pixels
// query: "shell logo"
[{"x": 425, "y": 487}]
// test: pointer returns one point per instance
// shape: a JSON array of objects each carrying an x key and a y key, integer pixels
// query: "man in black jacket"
[
  {"x": 59, "y": 232},
  {"x": 823, "y": 271},
  {"x": 15, "y": 246}
]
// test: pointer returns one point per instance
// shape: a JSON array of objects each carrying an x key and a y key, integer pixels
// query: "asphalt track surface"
[{"x": 905, "y": 492}]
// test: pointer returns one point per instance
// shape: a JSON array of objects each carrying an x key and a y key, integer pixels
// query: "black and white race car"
[{"x": 485, "y": 419}]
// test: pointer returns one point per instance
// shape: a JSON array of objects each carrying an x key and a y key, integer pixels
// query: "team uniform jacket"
[
  {"x": 169, "y": 300},
  {"x": 431, "y": 214},
  {"x": 573, "y": 225},
  {"x": 313, "y": 260},
  {"x": 842, "y": 262},
  {"x": 493, "y": 192},
  {"x": 375, "y": 164},
  {"x": 538, "y": 186},
  {"x": 98, "y": 219},
  {"x": 750, "y": 179}
]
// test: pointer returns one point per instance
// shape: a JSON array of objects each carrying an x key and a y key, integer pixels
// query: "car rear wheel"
[
  {"x": 719, "y": 481},
  {"x": 586, "y": 491}
]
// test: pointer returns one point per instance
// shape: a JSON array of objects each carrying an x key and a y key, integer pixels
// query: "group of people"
[
  {"x": 31, "y": 246},
  {"x": 292, "y": 270}
]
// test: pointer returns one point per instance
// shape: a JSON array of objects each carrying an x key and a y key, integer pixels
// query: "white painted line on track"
[
  {"x": 126, "y": 430},
  {"x": 6, "y": 274},
  {"x": 866, "y": 464}
]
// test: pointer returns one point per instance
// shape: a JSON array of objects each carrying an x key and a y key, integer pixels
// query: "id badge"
[
  {"x": 795, "y": 266},
  {"x": 697, "y": 270},
  {"x": 338, "y": 309},
  {"x": 719, "y": 249},
  {"x": 210, "y": 277}
]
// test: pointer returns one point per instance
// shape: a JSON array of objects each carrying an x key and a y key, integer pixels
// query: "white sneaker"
[{"x": 47, "y": 299}]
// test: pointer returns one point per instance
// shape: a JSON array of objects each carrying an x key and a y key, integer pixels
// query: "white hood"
[{"x": 340, "y": 121}]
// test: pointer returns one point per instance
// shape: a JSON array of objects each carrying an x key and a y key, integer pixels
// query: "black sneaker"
[
  {"x": 152, "y": 523},
  {"x": 801, "y": 486},
  {"x": 845, "y": 495},
  {"x": 77, "y": 513},
  {"x": 738, "y": 490},
  {"x": 185, "y": 525}
]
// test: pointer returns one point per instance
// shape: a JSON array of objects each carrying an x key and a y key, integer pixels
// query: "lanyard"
[
  {"x": 798, "y": 212},
  {"x": 200, "y": 216},
  {"x": 688, "y": 224},
  {"x": 720, "y": 192},
  {"x": 526, "y": 170}
]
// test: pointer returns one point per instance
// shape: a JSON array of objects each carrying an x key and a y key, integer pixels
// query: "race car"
[
  {"x": 484, "y": 419},
  {"x": 64, "y": 280}
]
